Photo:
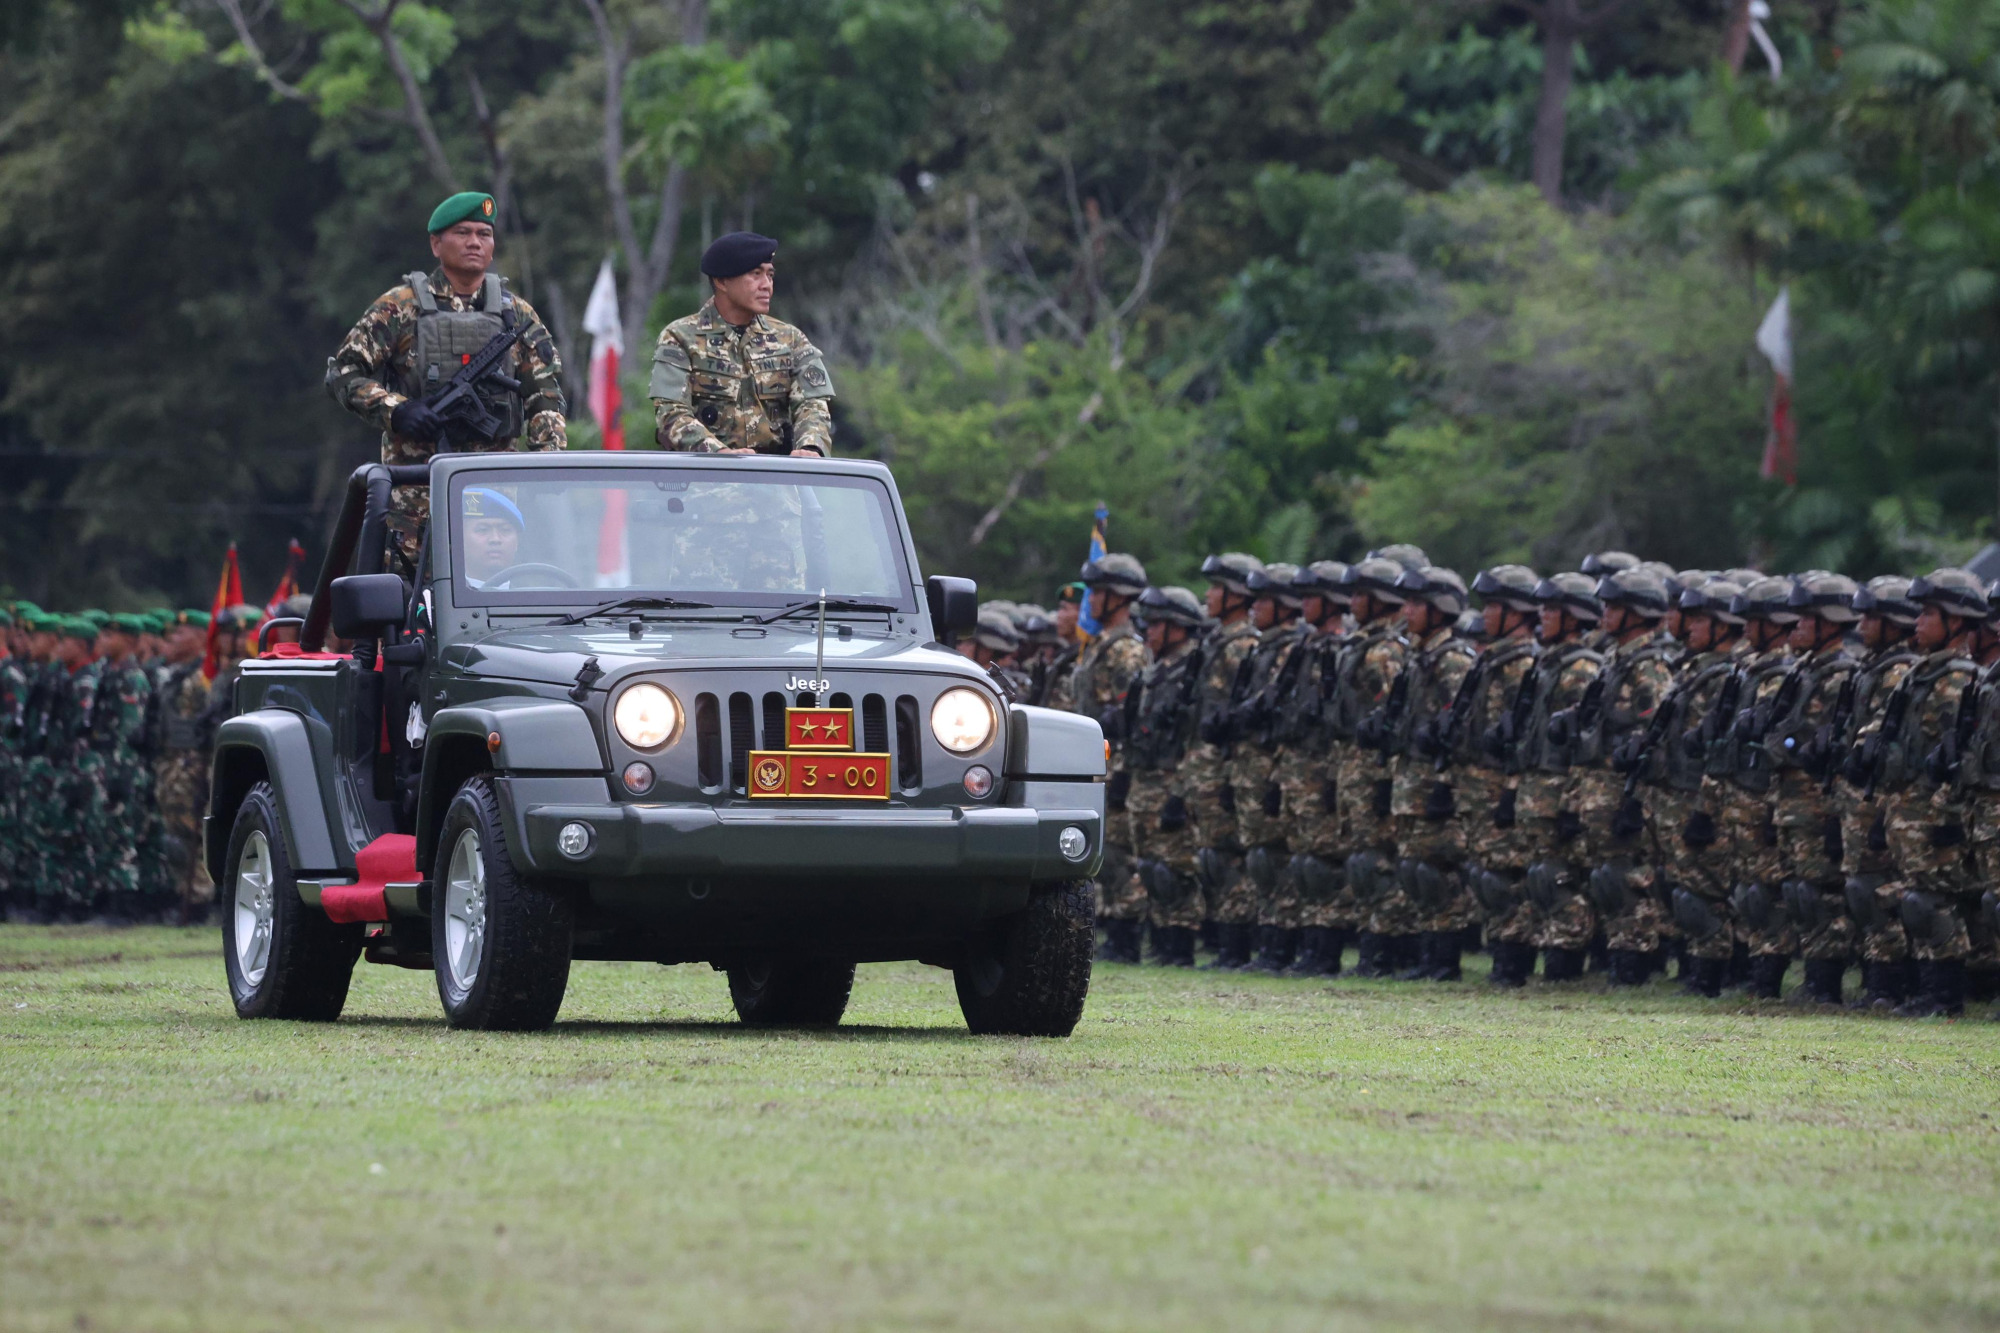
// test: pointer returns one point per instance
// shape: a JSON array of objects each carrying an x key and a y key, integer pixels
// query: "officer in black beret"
[{"x": 729, "y": 379}]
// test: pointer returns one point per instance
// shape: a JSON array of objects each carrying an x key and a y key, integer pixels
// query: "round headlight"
[
  {"x": 646, "y": 716},
  {"x": 962, "y": 720}
]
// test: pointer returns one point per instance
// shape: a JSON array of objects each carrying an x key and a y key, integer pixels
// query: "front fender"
[
  {"x": 1047, "y": 743},
  {"x": 536, "y": 735},
  {"x": 283, "y": 748}
]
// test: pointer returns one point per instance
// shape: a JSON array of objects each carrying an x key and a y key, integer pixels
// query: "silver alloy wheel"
[
  {"x": 255, "y": 901},
  {"x": 464, "y": 911}
]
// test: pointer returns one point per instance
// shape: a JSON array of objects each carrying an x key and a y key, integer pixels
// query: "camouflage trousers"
[
  {"x": 1810, "y": 844},
  {"x": 1870, "y": 867},
  {"x": 13, "y": 890},
  {"x": 1495, "y": 845},
  {"x": 1258, "y": 797},
  {"x": 1121, "y": 895},
  {"x": 1423, "y": 809},
  {"x": 180, "y": 777},
  {"x": 1564, "y": 917},
  {"x": 1927, "y": 836},
  {"x": 128, "y": 792},
  {"x": 1312, "y": 828},
  {"x": 1750, "y": 831},
  {"x": 1699, "y": 868},
  {"x": 1619, "y": 844},
  {"x": 1164, "y": 830},
  {"x": 1364, "y": 796}
]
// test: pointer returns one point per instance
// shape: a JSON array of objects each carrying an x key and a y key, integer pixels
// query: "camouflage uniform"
[
  {"x": 77, "y": 852},
  {"x": 15, "y": 889},
  {"x": 1802, "y": 746},
  {"x": 1362, "y": 782},
  {"x": 1670, "y": 772},
  {"x": 1564, "y": 918},
  {"x": 763, "y": 387},
  {"x": 118, "y": 737},
  {"x": 1925, "y": 821},
  {"x": 376, "y": 371},
  {"x": 1871, "y": 890},
  {"x": 1265, "y": 678},
  {"x": 1485, "y": 788},
  {"x": 1738, "y": 790},
  {"x": 1160, "y": 727},
  {"x": 1302, "y": 773},
  {"x": 1104, "y": 672},
  {"x": 1614, "y": 838},
  {"x": 1422, "y": 804},
  {"x": 1204, "y": 773},
  {"x": 180, "y": 774}
]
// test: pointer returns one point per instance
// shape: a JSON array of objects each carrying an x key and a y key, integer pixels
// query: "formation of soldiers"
[
  {"x": 1615, "y": 769},
  {"x": 106, "y": 723}
]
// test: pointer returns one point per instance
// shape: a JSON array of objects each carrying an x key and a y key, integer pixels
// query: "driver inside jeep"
[{"x": 493, "y": 527}]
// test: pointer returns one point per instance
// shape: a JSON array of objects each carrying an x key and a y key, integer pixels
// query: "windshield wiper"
[
  {"x": 831, "y": 604},
  {"x": 642, "y": 603}
]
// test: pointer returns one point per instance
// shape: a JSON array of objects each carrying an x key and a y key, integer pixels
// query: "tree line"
[{"x": 1291, "y": 276}]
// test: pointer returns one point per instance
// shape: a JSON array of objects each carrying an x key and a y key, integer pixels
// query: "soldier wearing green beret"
[
  {"x": 180, "y": 764},
  {"x": 729, "y": 379},
  {"x": 411, "y": 341}
]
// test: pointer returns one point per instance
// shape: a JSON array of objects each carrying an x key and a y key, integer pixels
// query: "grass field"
[{"x": 1204, "y": 1153}]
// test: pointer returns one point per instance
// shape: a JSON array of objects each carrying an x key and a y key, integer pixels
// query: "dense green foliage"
[
  {"x": 1265, "y": 276},
  {"x": 1209, "y": 1150}
]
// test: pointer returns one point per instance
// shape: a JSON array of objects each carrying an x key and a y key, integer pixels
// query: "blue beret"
[
  {"x": 737, "y": 253},
  {"x": 483, "y": 503}
]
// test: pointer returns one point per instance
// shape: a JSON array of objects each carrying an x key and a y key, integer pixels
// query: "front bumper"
[{"x": 1015, "y": 840}]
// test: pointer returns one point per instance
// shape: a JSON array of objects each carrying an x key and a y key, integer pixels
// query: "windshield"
[{"x": 560, "y": 538}]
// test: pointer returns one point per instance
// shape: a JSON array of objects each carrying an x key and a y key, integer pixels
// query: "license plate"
[{"x": 776, "y": 774}]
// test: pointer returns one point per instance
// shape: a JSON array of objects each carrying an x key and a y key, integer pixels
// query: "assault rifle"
[
  {"x": 1388, "y": 720},
  {"x": 1942, "y": 764},
  {"x": 1817, "y": 758},
  {"x": 1503, "y": 739},
  {"x": 467, "y": 418},
  {"x": 1754, "y": 723},
  {"x": 1698, "y": 740},
  {"x": 1569, "y": 725},
  {"x": 1439, "y": 737},
  {"x": 1871, "y": 756}
]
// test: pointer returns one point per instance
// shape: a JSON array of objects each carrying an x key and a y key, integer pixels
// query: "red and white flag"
[
  {"x": 607, "y": 348},
  {"x": 1774, "y": 340}
]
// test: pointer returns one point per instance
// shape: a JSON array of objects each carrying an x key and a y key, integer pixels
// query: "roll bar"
[{"x": 363, "y": 527}]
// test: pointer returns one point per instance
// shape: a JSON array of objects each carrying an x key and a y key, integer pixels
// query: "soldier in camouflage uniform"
[
  {"x": 1263, "y": 682},
  {"x": 1229, "y": 900},
  {"x": 180, "y": 772},
  {"x": 1368, "y": 670},
  {"x": 118, "y": 737},
  {"x": 1431, "y": 900},
  {"x": 1480, "y": 740},
  {"x": 1327, "y": 915},
  {"x": 729, "y": 379},
  {"x": 993, "y": 644},
  {"x": 1558, "y": 717},
  {"x": 71, "y": 818},
  {"x": 14, "y": 670},
  {"x": 1615, "y": 840},
  {"x": 1976, "y": 776},
  {"x": 1738, "y": 788},
  {"x": 1104, "y": 672},
  {"x": 1665, "y": 766},
  {"x": 1804, "y": 745},
  {"x": 410, "y": 342},
  {"x": 1924, "y": 815},
  {"x": 1159, "y": 727}
]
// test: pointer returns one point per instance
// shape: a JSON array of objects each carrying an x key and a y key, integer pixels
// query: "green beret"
[
  {"x": 77, "y": 627},
  {"x": 38, "y": 620},
  {"x": 460, "y": 207},
  {"x": 96, "y": 617},
  {"x": 24, "y": 607},
  {"x": 243, "y": 616},
  {"x": 199, "y": 619},
  {"x": 157, "y": 621},
  {"x": 130, "y": 622}
]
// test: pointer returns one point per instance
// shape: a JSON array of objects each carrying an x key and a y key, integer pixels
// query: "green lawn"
[{"x": 1204, "y": 1153}]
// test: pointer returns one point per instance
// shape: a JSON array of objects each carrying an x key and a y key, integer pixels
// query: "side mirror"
[
  {"x": 954, "y": 605},
  {"x": 365, "y": 606}
]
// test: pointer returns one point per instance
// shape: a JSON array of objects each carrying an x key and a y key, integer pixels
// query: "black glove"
[{"x": 413, "y": 419}]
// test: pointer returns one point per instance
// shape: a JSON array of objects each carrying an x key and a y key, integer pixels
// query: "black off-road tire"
[
  {"x": 790, "y": 992},
  {"x": 1028, "y": 975},
  {"x": 309, "y": 960},
  {"x": 523, "y": 950}
]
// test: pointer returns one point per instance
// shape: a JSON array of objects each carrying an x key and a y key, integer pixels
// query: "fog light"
[
  {"x": 574, "y": 841},
  {"x": 978, "y": 782},
  {"x": 1073, "y": 843},
  {"x": 638, "y": 777}
]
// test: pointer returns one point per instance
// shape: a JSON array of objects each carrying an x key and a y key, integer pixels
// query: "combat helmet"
[
  {"x": 1375, "y": 576},
  {"x": 1574, "y": 593},
  {"x": 1232, "y": 569},
  {"x": 1470, "y": 625},
  {"x": 1742, "y": 578},
  {"x": 1004, "y": 607},
  {"x": 1034, "y": 624},
  {"x": 1766, "y": 599},
  {"x": 1404, "y": 554},
  {"x": 1713, "y": 598},
  {"x": 996, "y": 631},
  {"x": 1172, "y": 604},
  {"x": 1601, "y": 563},
  {"x": 1435, "y": 586},
  {"x": 1275, "y": 581},
  {"x": 1830, "y": 597},
  {"x": 1684, "y": 579},
  {"x": 1887, "y": 596},
  {"x": 1638, "y": 590},
  {"x": 1322, "y": 579},
  {"x": 1954, "y": 591},
  {"x": 1509, "y": 585},
  {"x": 1116, "y": 571}
]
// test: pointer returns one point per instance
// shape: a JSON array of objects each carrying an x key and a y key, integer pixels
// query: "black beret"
[{"x": 737, "y": 253}]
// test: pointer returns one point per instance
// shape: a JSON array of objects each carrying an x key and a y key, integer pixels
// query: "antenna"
[{"x": 819, "y": 657}]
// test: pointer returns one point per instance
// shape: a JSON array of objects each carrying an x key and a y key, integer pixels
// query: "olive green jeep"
[{"x": 646, "y": 706}]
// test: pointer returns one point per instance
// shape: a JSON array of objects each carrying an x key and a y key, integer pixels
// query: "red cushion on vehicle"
[{"x": 391, "y": 858}]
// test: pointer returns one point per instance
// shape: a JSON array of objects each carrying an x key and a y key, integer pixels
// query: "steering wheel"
[{"x": 504, "y": 577}]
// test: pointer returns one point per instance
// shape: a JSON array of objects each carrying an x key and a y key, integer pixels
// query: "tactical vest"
[
  {"x": 1160, "y": 719},
  {"x": 1595, "y": 742},
  {"x": 1903, "y": 745},
  {"x": 447, "y": 339},
  {"x": 1487, "y": 700},
  {"x": 1726, "y": 737},
  {"x": 1422, "y": 703},
  {"x": 1347, "y": 706},
  {"x": 1790, "y": 735},
  {"x": 1672, "y": 763},
  {"x": 1541, "y": 752},
  {"x": 1083, "y": 685},
  {"x": 1275, "y": 676}
]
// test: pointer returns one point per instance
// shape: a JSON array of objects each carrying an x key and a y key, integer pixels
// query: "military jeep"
[{"x": 642, "y": 706}]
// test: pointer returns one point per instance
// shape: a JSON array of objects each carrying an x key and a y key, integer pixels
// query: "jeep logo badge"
[{"x": 816, "y": 686}]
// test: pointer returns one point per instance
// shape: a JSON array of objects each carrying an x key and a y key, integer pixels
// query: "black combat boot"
[
  {"x": 1444, "y": 965},
  {"x": 1338, "y": 940},
  {"x": 1706, "y": 980},
  {"x": 1736, "y": 973},
  {"x": 1562, "y": 964},
  {"x": 1627, "y": 967},
  {"x": 1511, "y": 963},
  {"x": 1121, "y": 942},
  {"x": 1940, "y": 990},
  {"x": 1406, "y": 953},
  {"x": 1884, "y": 985},
  {"x": 1823, "y": 978},
  {"x": 1210, "y": 935},
  {"x": 1276, "y": 947},
  {"x": 1417, "y": 969},
  {"x": 1982, "y": 984},
  {"x": 1232, "y": 948},
  {"x": 1173, "y": 946},
  {"x": 1600, "y": 954},
  {"x": 1371, "y": 956},
  {"x": 1306, "y": 958},
  {"x": 1767, "y": 975}
]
